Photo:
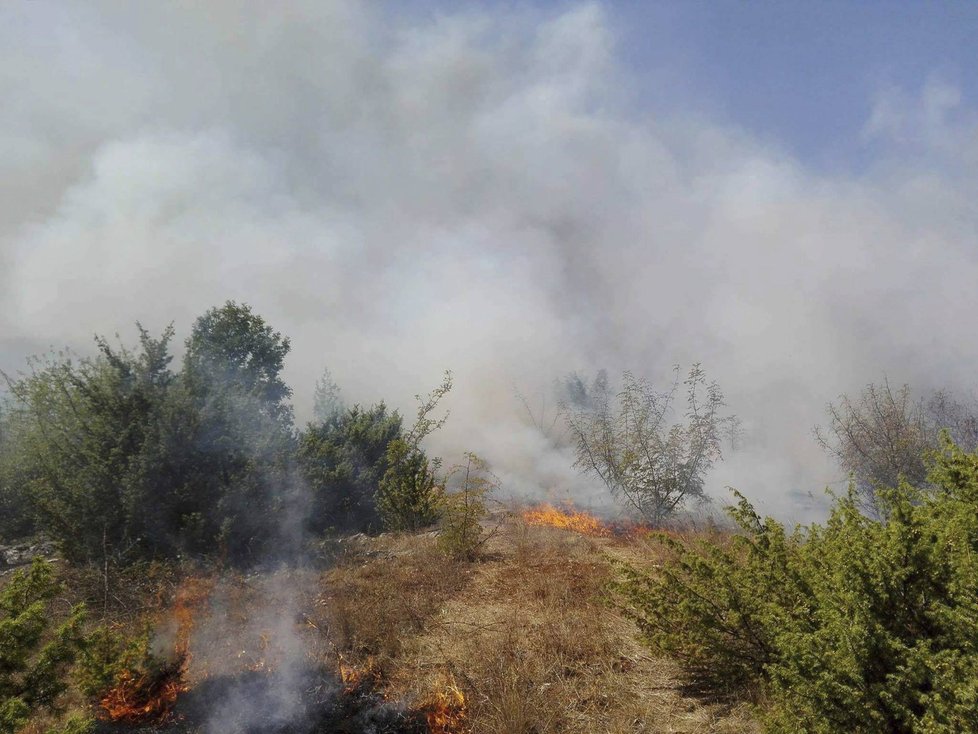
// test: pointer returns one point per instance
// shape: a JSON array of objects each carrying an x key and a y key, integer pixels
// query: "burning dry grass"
[
  {"x": 400, "y": 637},
  {"x": 151, "y": 693},
  {"x": 251, "y": 658},
  {"x": 146, "y": 696},
  {"x": 445, "y": 710},
  {"x": 523, "y": 636},
  {"x": 567, "y": 517}
]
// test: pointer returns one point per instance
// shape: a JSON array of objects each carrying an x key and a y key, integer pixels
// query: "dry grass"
[
  {"x": 525, "y": 633},
  {"x": 372, "y": 606}
]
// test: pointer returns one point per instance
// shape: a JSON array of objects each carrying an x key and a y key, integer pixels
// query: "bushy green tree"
[
  {"x": 342, "y": 460},
  {"x": 238, "y": 439},
  {"x": 78, "y": 437},
  {"x": 231, "y": 349},
  {"x": 35, "y": 657},
  {"x": 119, "y": 457},
  {"x": 856, "y": 626}
]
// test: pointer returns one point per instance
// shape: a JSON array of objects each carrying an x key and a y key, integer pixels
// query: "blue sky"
[{"x": 802, "y": 74}]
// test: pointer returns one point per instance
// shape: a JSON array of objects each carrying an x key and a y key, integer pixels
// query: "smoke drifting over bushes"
[{"x": 401, "y": 196}]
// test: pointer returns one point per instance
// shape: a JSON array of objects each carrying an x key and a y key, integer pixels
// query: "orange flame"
[
  {"x": 149, "y": 695},
  {"x": 356, "y": 676},
  {"x": 144, "y": 696},
  {"x": 189, "y": 598},
  {"x": 446, "y": 711},
  {"x": 567, "y": 518}
]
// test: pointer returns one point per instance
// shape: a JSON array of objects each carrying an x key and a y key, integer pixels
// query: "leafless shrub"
[
  {"x": 632, "y": 442},
  {"x": 884, "y": 435}
]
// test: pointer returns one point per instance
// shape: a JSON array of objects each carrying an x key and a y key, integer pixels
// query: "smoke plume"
[{"x": 404, "y": 193}]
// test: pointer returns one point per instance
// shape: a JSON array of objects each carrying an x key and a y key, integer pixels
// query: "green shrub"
[
  {"x": 709, "y": 603},
  {"x": 104, "y": 653},
  {"x": 408, "y": 494},
  {"x": 409, "y": 491},
  {"x": 117, "y": 456},
  {"x": 463, "y": 510},
  {"x": 16, "y": 510},
  {"x": 75, "y": 724},
  {"x": 342, "y": 460},
  {"x": 77, "y": 434},
  {"x": 34, "y": 658},
  {"x": 855, "y": 626}
]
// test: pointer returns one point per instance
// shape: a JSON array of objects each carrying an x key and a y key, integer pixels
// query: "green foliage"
[
  {"x": 80, "y": 434},
  {"x": 238, "y": 441},
  {"x": 408, "y": 494},
  {"x": 709, "y": 605},
  {"x": 463, "y": 510},
  {"x": 233, "y": 350},
  {"x": 75, "y": 724},
  {"x": 327, "y": 400},
  {"x": 856, "y": 626},
  {"x": 34, "y": 658},
  {"x": 104, "y": 653},
  {"x": 342, "y": 460},
  {"x": 118, "y": 457},
  {"x": 17, "y": 515}
]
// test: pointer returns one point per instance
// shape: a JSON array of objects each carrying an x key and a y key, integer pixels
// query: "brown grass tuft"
[{"x": 374, "y": 605}]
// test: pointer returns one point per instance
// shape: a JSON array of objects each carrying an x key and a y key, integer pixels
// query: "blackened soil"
[{"x": 306, "y": 701}]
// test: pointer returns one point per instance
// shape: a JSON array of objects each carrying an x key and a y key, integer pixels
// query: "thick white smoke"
[{"x": 479, "y": 193}]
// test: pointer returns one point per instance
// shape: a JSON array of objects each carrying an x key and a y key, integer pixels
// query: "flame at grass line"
[
  {"x": 149, "y": 694},
  {"x": 146, "y": 696},
  {"x": 446, "y": 711},
  {"x": 567, "y": 518}
]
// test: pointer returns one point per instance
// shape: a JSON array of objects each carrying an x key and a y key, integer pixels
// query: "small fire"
[
  {"x": 150, "y": 694},
  {"x": 144, "y": 696},
  {"x": 446, "y": 711},
  {"x": 354, "y": 677},
  {"x": 567, "y": 518},
  {"x": 189, "y": 598}
]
